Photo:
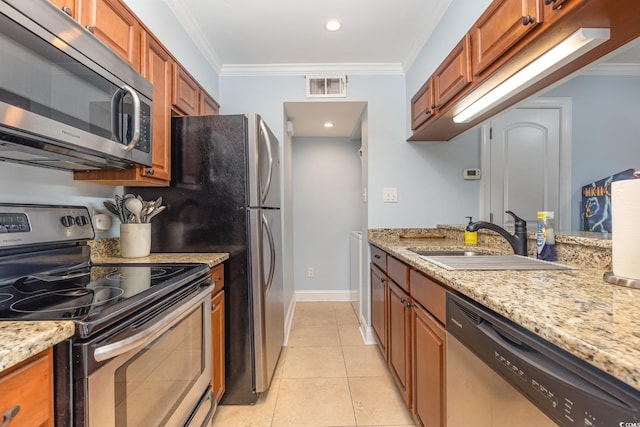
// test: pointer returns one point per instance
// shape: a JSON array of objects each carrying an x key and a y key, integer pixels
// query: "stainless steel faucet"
[{"x": 518, "y": 240}]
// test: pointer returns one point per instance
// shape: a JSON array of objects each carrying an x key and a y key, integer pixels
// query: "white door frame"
[{"x": 564, "y": 104}]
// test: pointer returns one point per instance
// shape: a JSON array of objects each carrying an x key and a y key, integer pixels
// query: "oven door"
[{"x": 157, "y": 373}]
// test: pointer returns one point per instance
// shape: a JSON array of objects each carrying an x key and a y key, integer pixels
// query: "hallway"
[{"x": 325, "y": 377}]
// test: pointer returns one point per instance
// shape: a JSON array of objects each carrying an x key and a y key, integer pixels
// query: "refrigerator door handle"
[
  {"x": 272, "y": 253},
  {"x": 265, "y": 189}
]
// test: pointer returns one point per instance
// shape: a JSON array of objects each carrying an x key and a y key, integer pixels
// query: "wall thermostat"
[{"x": 471, "y": 173}]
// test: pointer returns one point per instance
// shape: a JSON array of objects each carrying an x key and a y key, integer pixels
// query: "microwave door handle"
[{"x": 136, "y": 118}]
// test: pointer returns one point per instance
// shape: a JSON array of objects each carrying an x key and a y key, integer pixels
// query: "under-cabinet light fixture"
[{"x": 577, "y": 44}]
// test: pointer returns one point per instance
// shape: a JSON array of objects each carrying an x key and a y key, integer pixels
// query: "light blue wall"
[
  {"x": 606, "y": 129},
  {"x": 326, "y": 208}
]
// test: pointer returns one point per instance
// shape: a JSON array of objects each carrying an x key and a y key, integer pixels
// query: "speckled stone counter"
[
  {"x": 22, "y": 339},
  {"x": 574, "y": 309},
  {"x": 212, "y": 259}
]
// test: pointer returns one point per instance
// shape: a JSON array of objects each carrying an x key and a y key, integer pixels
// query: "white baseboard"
[
  {"x": 288, "y": 320},
  {"x": 367, "y": 334},
  {"x": 317, "y": 296}
]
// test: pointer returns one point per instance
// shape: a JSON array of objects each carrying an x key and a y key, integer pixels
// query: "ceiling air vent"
[{"x": 326, "y": 87}]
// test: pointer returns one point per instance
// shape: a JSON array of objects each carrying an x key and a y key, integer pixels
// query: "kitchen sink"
[
  {"x": 473, "y": 260},
  {"x": 428, "y": 253}
]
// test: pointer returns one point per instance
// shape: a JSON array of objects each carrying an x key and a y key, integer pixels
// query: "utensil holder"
[{"x": 135, "y": 240}]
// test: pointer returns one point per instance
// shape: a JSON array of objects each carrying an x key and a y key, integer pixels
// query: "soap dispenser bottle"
[{"x": 470, "y": 237}]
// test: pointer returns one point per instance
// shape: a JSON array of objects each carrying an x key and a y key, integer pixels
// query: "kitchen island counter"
[
  {"x": 573, "y": 309},
  {"x": 211, "y": 259}
]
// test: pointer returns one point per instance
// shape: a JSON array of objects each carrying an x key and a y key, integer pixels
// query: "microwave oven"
[{"x": 67, "y": 101}]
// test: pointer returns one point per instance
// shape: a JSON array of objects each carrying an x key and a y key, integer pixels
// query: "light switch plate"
[{"x": 390, "y": 195}]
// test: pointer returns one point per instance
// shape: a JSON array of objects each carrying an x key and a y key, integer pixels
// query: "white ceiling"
[
  {"x": 308, "y": 118},
  {"x": 233, "y": 32}
]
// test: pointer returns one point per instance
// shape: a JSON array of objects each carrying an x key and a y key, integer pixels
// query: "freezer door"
[
  {"x": 268, "y": 293},
  {"x": 264, "y": 165}
]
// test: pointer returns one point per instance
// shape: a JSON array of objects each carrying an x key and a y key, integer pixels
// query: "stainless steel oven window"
[{"x": 160, "y": 382}]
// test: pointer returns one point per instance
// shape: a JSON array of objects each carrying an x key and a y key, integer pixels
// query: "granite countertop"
[
  {"x": 574, "y": 309},
  {"x": 20, "y": 340},
  {"x": 212, "y": 259}
]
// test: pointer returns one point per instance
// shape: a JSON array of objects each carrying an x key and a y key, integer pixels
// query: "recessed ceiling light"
[
  {"x": 333, "y": 25},
  {"x": 328, "y": 125}
]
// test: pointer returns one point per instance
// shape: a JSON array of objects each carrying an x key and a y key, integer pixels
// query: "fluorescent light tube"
[{"x": 561, "y": 54}]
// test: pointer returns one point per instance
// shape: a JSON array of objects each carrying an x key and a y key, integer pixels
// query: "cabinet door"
[
  {"x": 429, "y": 351},
  {"x": 208, "y": 106},
  {"x": 217, "y": 347},
  {"x": 454, "y": 74},
  {"x": 422, "y": 105},
  {"x": 70, "y": 7},
  {"x": 185, "y": 95},
  {"x": 29, "y": 387},
  {"x": 379, "y": 307},
  {"x": 111, "y": 22},
  {"x": 156, "y": 67},
  {"x": 399, "y": 348},
  {"x": 500, "y": 27}
]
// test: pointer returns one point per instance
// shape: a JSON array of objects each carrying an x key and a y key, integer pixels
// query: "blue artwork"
[{"x": 596, "y": 202}]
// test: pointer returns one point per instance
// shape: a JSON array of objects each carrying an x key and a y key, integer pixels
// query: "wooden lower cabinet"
[
  {"x": 399, "y": 348},
  {"x": 27, "y": 388},
  {"x": 429, "y": 352},
  {"x": 379, "y": 307},
  {"x": 217, "y": 331}
]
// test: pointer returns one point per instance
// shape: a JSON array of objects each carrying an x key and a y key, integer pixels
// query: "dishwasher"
[{"x": 499, "y": 374}]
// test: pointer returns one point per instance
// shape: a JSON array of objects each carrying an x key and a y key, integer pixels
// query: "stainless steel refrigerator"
[{"x": 225, "y": 197}]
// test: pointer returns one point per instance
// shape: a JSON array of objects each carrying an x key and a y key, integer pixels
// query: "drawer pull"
[
  {"x": 526, "y": 20},
  {"x": 9, "y": 415},
  {"x": 90, "y": 29},
  {"x": 151, "y": 172},
  {"x": 67, "y": 10},
  {"x": 376, "y": 256}
]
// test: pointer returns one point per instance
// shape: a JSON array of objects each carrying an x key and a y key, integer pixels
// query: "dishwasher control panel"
[{"x": 566, "y": 389}]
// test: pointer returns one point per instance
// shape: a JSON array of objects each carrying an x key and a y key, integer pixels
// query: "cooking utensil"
[
  {"x": 134, "y": 206},
  {"x": 111, "y": 207},
  {"x": 155, "y": 212}
]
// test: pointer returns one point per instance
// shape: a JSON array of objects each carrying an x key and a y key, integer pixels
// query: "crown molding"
[
  {"x": 185, "y": 18},
  {"x": 606, "y": 69},
  {"x": 311, "y": 68}
]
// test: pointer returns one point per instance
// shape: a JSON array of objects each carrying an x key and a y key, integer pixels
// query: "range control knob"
[
  {"x": 67, "y": 220},
  {"x": 82, "y": 220}
]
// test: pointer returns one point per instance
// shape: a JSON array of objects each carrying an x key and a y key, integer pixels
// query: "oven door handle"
[{"x": 150, "y": 332}]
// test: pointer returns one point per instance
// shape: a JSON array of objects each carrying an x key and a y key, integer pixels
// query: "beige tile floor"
[{"x": 325, "y": 377}]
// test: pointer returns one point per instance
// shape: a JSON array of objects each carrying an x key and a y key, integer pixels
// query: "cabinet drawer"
[
  {"x": 431, "y": 295},
  {"x": 379, "y": 257},
  {"x": 29, "y": 387},
  {"x": 398, "y": 272}
]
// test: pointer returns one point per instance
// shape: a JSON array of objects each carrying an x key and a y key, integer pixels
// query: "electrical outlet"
[
  {"x": 390, "y": 195},
  {"x": 310, "y": 272}
]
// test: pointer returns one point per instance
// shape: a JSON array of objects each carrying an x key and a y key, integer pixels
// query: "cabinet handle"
[
  {"x": 90, "y": 29},
  {"x": 382, "y": 279},
  {"x": 213, "y": 306},
  {"x": 67, "y": 10},
  {"x": 409, "y": 304},
  {"x": 402, "y": 300},
  {"x": 526, "y": 20},
  {"x": 9, "y": 415},
  {"x": 150, "y": 171},
  {"x": 548, "y": 2},
  {"x": 376, "y": 256}
]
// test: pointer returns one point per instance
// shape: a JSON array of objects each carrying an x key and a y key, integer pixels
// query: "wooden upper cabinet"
[
  {"x": 208, "y": 106},
  {"x": 185, "y": 95},
  {"x": 422, "y": 105},
  {"x": 500, "y": 27},
  {"x": 115, "y": 25},
  {"x": 70, "y": 7},
  {"x": 454, "y": 74},
  {"x": 156, "y": 67}
]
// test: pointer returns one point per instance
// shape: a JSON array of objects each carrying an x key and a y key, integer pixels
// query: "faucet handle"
[{"x": 517, "y": 221}]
